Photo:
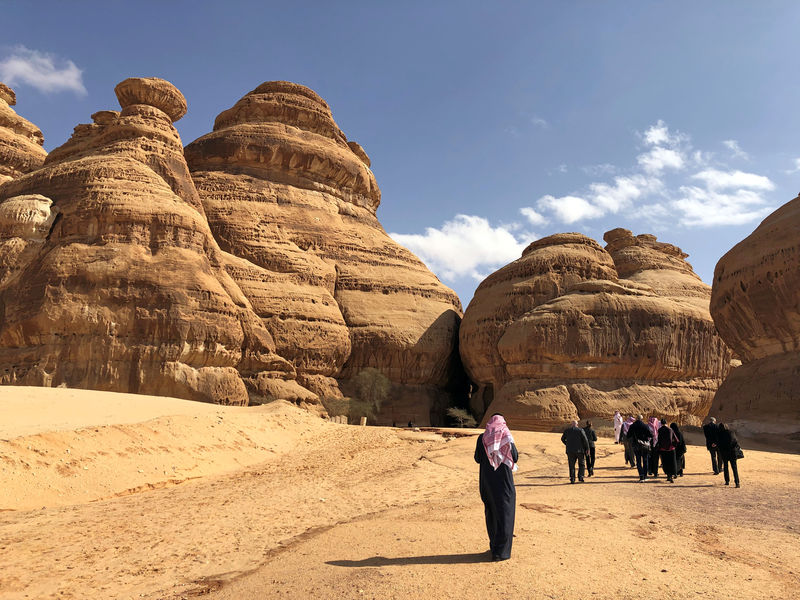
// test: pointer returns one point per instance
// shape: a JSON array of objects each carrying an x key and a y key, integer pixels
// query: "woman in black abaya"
[{"x": 497, "y": 455}]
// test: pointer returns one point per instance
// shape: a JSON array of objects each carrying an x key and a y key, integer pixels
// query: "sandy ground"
[{"x": 181, "y": 500}]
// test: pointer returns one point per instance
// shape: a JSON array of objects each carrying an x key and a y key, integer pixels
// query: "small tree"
[
  {"x": 372, "y": 388},
  {"x": 461, "y": 416}
]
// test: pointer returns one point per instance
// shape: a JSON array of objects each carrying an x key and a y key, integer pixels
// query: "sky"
[{"x": 488, "y": 124}]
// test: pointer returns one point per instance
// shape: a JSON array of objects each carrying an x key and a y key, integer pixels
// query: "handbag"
[{"x": 738, "y": 452}]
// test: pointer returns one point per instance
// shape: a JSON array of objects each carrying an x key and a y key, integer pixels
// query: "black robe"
[{"x": 499, "y": 500}]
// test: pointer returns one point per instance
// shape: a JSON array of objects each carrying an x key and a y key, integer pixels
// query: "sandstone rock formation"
[
  {"x": 20, "y": 140},
  {"x": 294, "y": 201},
  {"x": 110, "y": 278},
  {"x": 756, "y": 307},
  {"x": 573, "y": 330}
]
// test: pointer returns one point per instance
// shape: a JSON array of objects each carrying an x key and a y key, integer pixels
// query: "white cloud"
[
  {"x": 701, "y": 207},
  {"x": 534, "y": 218},
  {"x": 658, "y": 159},
  {"x": 796, "y": 167},
  {"x": 467, "y": 245},
  {"x": 715, "y": 179},
  {"x": 620, "y": 195},
  {"x": 570, "y": 209},
  {"x": 539, "y": 122},
  {"x": 45, "y": 72},
  {"x": 735, "y": 149},
  {"x": 562, "y": 168},
  {"x": 705, "y": 197}
]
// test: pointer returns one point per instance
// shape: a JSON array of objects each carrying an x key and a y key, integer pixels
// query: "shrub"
[{"x": 461, "y": 416}]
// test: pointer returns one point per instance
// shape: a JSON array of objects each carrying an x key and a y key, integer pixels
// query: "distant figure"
[
  {"x": 728, "y": 450},
  {"x": 640, "y": 436},
  {"x": 710, "y": 431},
  {"x": 591, "y": 437},
  {"x": 574, "y": 438},
  {"x": 680, "y": 449},
  {"x": 666, "y": 444},
  {"x": 410, "y": 424},
  {"x": 654, "y": 425},
  {"x": 497, "y": 455},
  {"x": 617, "y": 426},
  {"x": 628, "y": 448}
]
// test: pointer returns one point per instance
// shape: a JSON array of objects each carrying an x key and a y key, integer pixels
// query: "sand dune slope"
[{"x": 272, "y": 502}]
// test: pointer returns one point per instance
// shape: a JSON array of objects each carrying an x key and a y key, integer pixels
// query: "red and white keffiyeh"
[{"x": 497, "y": 442}]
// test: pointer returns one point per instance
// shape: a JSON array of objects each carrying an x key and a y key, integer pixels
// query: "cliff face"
[
  {"x": 294, "y": 201},
  {"x": 121, "y": 285},
  {"x": 756, "y": 307},
  {"x": 574, "y": 330},
  {"x": 20, "y": 140}
]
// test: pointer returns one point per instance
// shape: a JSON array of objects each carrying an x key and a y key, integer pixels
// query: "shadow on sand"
[{"x": 431, "y": 559}]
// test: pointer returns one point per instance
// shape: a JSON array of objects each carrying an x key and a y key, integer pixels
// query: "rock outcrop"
[
  {"x": 21, "y": 141},
  {"x": 294, "y": 202},
  {"x": 756, "y": 306},
  {"x": 574, "y": 330},
  {"x": 110, "y": 277}
]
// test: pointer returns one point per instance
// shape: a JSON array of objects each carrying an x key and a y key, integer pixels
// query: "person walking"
[
  {"x": 710, "y": 431},
  {"x": 680, "y": 449},
  {"x": 640, "y": 437},
  {"x": 574, "y": 438},
  {"x": 630, "y": 459},
  {"x": 666, "y": 444},
  {"x": 591, "y": 437},
  {"x": 729, "y": 451},
  {"x": 654, "y": 456},
  {"x": 617, "y": 426},
  {"x": 497, "y": 456}
]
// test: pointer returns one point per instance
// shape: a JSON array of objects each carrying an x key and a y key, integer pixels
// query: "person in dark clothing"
[
  {"x": 728, "y": 449},
  {"x": 574, "y": 438},
  {"x": 680, "y": 449},
  {"x": 630, "y": 459},
  {"x": 666, "y": 444},
  {"x": 640, "y": 436},
  {"x": 710, "y": 431},
  {"x": 497, "y": 456},
  {"x": 591, "y": 437}
]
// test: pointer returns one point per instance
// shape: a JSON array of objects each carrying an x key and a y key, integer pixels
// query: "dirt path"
[{"x": 379, "y": 513}]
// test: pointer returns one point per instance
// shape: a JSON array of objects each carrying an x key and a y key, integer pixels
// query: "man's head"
[
  {"x": 712, "y": 420},
  {"x": 663, "y": 421},
  {"x": 574, "y": 423},
  {"x": 639, "y": 417}
]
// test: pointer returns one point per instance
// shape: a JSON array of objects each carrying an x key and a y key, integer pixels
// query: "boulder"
[
  {"x": 755, "y": 303},
  {"x": 294, "y": 202},
  {"x": 120, "y": 284},
  {"x": 21, "y": 141},
  {"x": 562, "y": 334}
]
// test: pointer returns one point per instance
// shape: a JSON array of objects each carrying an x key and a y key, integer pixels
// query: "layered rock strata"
[
  {"x": 295, "y": 201},
  {"x": 118, "y": 283},
  {"x": 573, "y": 330},
  {"x": 21, "y": 141},
  {"x": 755, "y": 303}
]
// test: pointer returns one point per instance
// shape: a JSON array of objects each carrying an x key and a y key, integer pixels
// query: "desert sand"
[{"x": 119, "y": 496}]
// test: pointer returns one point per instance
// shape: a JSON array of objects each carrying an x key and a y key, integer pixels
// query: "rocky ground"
[{"x": 199, "y": 500}]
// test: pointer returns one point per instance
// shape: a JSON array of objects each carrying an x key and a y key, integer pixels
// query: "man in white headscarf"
[{"x": 617, "y": 426}]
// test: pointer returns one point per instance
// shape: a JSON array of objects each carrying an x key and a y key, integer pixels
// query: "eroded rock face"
[
  {"x": 20, "y": 140},
  {"x": 756, "y": 307},
  {"x": 119, "y": 284},
  {"x": 574, "y": 330},
  {"x": 294, "y": 201}
]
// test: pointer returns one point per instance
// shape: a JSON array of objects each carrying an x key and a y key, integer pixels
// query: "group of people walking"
[
  {"x": 646, "y": 445},
  {"x": 649, "y": 444}
]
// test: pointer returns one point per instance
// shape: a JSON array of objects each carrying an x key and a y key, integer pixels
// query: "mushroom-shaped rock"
[
  {"x": 570, "y": 337},
  {"x": 153, "y": 92},
  {"x": 129, "y": 291},
  {"x": 295, "y": 203}
]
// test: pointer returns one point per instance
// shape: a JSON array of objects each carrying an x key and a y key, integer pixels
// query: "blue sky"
[{"x": 489, "y": 124}]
